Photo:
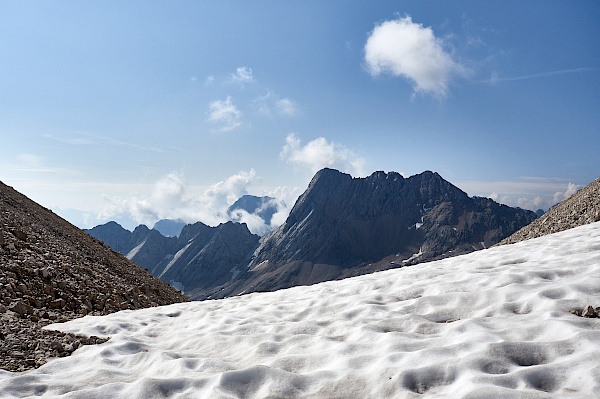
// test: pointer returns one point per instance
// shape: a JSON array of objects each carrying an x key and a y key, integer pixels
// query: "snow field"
[{"x": 492, "y": 324}]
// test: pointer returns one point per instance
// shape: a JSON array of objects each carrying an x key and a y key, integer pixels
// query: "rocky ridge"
[
  {"x": 201, "y": 257},
  {"x": 51, "y": 271},
  {"x": 581, "y": 208},
  {"x": 343, "y": 226}
]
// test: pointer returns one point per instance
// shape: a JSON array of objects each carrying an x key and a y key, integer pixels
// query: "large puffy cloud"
[
  {"x": 172, "y": 198},
  {"x": 404, "y": 48},
  {"x": 224, "y": 114},
  {"x": 320, "y": 153}
]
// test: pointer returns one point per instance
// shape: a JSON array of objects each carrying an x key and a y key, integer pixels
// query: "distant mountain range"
[{"x": 340, "y": 227}]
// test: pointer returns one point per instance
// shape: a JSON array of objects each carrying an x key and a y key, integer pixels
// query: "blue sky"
[{"x": 140, "y": 110}]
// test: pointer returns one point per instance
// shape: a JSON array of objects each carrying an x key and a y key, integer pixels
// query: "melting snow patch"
[
  {"x": 413, "y": 256},
  {"x": 177, "y": 256},
  {"x": 135, "y": 250}
]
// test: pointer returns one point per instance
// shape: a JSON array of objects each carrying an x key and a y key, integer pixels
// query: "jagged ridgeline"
[{"x": 341, "y": 226}]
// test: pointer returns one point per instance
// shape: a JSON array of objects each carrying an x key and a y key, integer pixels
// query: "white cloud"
[
  {"x": 172, "y": 198},
  {"x": 271, "y": 104},
  {"x": 563, "y": 195},
  {"x": 224, "y": 114},
  {"x": 404, "y": 48},
  {"x": 528, "y": 192},
  {"x": 255, "y": 223},
  {"x": 287, "y": 107},
  {"x": 242, "y": 75},
  {"x": 320, "y": 153},
  {"x": 30, "y": 159}
]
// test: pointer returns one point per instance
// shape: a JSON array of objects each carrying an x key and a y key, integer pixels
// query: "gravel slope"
[
  {"x": 581, "y": 208},
  {"x": 51, "y": 271}
]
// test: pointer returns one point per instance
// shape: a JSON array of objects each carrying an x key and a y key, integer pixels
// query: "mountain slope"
[
  {"x": 343, "y": 226},
  {"x": 581, "y": 208},
  {"x": 52, "y": 271},
  {"x": 201, "y": 257}
]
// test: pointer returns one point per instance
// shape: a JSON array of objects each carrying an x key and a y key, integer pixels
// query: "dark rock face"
[
  {"x": 52, "y": 271},
  {"x": 343, "y": 226},
  {"x": 201, "y": 257},
  {"x": 113, "y": 235},
  {"x": 211, "y": 260}
]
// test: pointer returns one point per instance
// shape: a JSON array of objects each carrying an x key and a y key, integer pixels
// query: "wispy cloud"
[
  {"x": 404, "y": 48},
  {"x": 242, "y": 75},
  {"x": 320, "y": 153},
  {"x": 89, "y": 139},
  {"x": 224, "y": 114},
  {"x": 271, "y": 104},
  {"x": 31, "y": 163},
  {"x": 526, "y": 192},
  {"x": 497, "y": 79}
]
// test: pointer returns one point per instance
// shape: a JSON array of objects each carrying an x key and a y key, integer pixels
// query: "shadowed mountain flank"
[{"x": 343, "y": 226}]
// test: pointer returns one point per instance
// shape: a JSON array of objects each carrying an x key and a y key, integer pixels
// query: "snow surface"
[
  {"x": 491, "y": 324},
  {"x": 135, "y": 250}
]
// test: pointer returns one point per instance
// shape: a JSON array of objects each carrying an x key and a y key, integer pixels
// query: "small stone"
[
  {"x": 588, "y": 311},
  {"x": 20, "y": 234},
  {"x": 56, "y": 304},
  {"x": 19, "y": 307},
  {"x": 57, "y": 345},
  {"x": 3, "y": 308},
  {"x": 18, "y": 355}
]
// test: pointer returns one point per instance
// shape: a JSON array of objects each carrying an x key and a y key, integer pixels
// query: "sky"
[{"x": 142, "y": 110}]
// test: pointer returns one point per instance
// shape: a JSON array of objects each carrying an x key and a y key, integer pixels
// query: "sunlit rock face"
[{"x": 344, "y": 226}]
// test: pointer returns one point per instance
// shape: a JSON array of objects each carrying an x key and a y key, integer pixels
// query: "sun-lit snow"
[
  {"x": 175, "y": 258},
  {"x": 135, "y": 250},
  {"x": 492, "y": 324}
]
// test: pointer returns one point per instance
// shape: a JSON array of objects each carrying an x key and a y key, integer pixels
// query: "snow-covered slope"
[{"x": 492, "y": 324}]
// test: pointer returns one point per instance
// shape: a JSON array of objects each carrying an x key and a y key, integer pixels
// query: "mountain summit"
[{"x": 343, "y": 226}]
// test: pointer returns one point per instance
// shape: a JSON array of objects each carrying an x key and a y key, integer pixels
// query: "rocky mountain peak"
[{"x": 342, "y": 226}]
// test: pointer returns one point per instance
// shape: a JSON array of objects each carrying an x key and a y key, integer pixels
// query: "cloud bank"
[
  {"x": 173, "y": 198},
  {"x": 530, "y": 194},
  {"x": 320, "y": 153},
  {"x": 404, "y": 48}
]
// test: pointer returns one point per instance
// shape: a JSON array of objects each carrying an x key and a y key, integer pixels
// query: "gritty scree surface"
[
  {"x": 51, "y": 271},
  {"x": 496, "y": 323},
  {"x": 581, "y": 208}
]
